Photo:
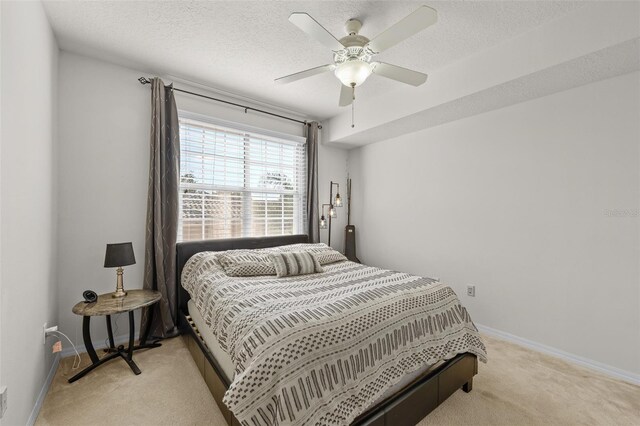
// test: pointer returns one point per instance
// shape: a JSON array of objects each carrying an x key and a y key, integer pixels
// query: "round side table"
[{"x": 107, "y": 305}]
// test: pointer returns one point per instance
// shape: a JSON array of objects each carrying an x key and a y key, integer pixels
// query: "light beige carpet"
[{"x": 517, "y": 387}]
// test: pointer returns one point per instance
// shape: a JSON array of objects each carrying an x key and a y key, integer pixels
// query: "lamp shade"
[
  {"x": 338, "y": 201},
  {"x": 120, "y": 254},
  {"x": 353, "y": 72}
]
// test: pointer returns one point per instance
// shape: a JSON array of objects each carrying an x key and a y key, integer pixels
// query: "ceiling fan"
[{"x": 353, "y": 54}]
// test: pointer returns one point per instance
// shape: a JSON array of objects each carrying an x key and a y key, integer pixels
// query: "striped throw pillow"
[
  {"x": 321, "y": 251},
  {"x": 295, "y": 263},
  {"x": 246, "y": 263}
]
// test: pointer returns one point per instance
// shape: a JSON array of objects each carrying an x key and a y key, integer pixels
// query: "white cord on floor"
[{"x": 78, "y": 359}]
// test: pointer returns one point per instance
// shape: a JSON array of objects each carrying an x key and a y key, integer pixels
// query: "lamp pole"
[{"x": 332, "y": 208}]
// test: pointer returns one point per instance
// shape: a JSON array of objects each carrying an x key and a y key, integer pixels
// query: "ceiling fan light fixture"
[
  {"x": 353, "y": 54},
  {"x": 353, "y": 72}
]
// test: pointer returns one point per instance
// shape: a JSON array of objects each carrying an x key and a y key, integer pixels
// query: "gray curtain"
[
  {"x": 313, "y": 219},
  {"x": 162, "y": 213}
]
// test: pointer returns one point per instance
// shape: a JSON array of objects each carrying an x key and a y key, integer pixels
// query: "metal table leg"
[
  {"x": 132, "y": 333},
  {"x": 86, "y": 336},
  {"x": 112, "y": 344},
  {"x": 95, "y": 361},
  {"x": 120, "y": 351},
  {"x": 128, "y": 356}
]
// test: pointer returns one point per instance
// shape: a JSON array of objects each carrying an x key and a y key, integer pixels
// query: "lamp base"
[
  {"x": 119, "y": 285},
  {"x": 119, "y": 293}
]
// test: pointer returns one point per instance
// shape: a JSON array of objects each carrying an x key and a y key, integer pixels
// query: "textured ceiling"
[{"x": 242, "y": 46}]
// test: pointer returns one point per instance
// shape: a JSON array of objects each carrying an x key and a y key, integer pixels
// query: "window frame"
[{"x": 299, "y": 214}]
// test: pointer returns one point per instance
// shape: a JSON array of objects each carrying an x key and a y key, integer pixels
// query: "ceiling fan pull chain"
[
  {"x": 353, "y": 102},
  {"x": 353, "y": 115}
]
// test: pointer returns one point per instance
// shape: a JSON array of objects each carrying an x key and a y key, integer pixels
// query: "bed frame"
[{"x": 404, "y": 408}]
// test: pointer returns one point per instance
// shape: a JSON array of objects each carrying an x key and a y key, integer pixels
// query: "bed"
[{"x": 375, "y": 390}]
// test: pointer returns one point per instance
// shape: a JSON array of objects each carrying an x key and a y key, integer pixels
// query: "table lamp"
[{"x": 117, "y": 256}]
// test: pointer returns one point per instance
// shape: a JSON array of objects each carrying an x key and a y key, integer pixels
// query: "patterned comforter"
[{"x": 319, "y": 349}]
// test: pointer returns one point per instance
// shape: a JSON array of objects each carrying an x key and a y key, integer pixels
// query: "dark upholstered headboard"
[{"x": 185, "y": 250}]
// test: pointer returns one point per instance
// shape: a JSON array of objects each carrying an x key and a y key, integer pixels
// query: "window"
[{"x": 239, "y": 182}]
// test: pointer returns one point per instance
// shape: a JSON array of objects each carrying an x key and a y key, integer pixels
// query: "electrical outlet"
[
  {"x": 46, "y": 331},
  {"x": 3, "y": 401},
  {"x": 471, "y": 290}
]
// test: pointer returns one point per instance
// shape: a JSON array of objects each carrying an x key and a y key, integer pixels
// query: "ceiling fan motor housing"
[
  {"x": 352, "y": 26},
  {"x": 352, "y": 62}
]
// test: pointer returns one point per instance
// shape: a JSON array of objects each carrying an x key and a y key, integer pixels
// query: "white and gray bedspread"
[{"x": 319, "y": 349}]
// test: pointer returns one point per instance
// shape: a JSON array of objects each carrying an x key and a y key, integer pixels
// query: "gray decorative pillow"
[
  {"x": 246, "y": 263},
  {"x": 321, "y": 251},
  {"x": 295, "y": 263},
  {"x": 326, "y": 255}
]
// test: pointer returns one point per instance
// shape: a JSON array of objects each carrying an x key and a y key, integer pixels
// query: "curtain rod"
[{"x": 145, "y": 80}]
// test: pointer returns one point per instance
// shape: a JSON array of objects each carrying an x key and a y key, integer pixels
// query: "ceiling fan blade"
[
  {"x": 310, "y": 26},
  {"x": 304, "y": 74},
  {"x": 346, "y": 95},
  {"x": 397, "y": 73},
  {"x": 405, "y": 28}
]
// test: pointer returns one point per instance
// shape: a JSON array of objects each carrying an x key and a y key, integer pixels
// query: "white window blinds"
[{"x": 236, "y": 183}]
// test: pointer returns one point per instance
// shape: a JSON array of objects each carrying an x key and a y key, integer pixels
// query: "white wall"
[
  {"x": 103, "y": 173},
  {"x": 28, "y": 224},
  {"x": 515, "y": 201}
]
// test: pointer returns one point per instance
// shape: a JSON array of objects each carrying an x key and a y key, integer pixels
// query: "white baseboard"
[
  {"x": 575, "y": 359},
  {"x": 97, "y": 345},
  {"x": 43, "y": 392}
]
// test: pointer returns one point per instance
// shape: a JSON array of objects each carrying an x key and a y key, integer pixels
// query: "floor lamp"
[{"x": 333, "y": 204}]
